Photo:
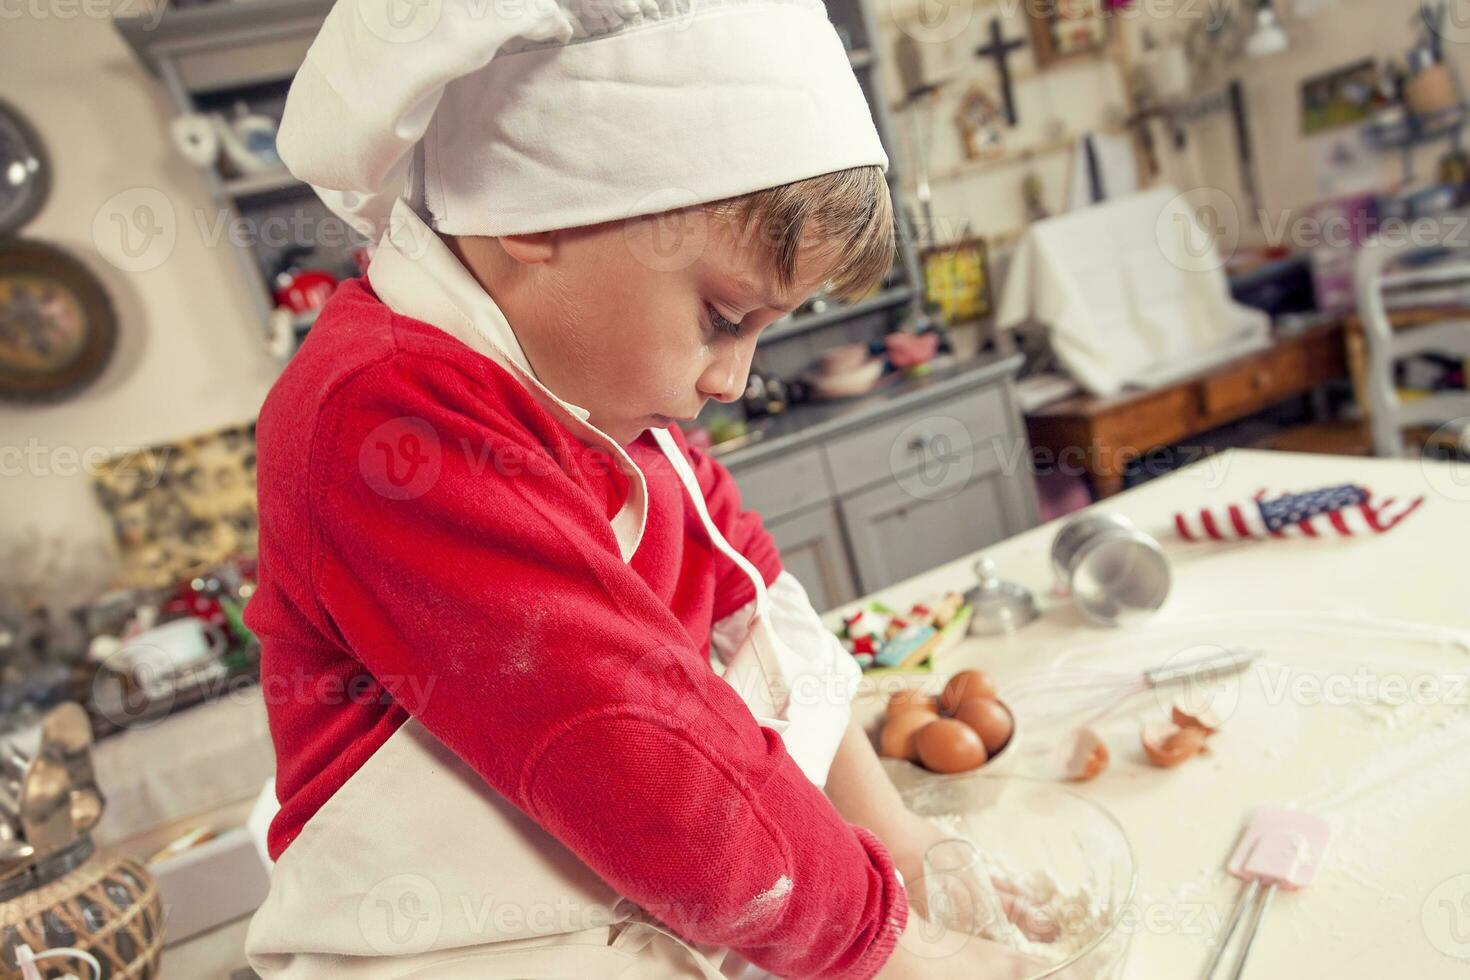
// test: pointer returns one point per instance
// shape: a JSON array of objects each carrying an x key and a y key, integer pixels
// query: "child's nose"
[{"x": 724, "y": 379}]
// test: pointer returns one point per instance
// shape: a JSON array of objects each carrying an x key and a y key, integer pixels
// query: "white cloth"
[
  {"x": 1132, "y": 290},
  {"x": 549, "y": 114}
]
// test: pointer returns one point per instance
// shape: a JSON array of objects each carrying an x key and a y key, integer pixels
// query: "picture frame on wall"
[
  {"x": 58, "y": 328},
  {"x": 1345, "y": 96},
  {"x": 1066, "y": 29},
  {"x": 957, "y": 280}
]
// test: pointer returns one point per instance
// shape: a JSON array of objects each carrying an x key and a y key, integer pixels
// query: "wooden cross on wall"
[{"x": 999, "y": 49}]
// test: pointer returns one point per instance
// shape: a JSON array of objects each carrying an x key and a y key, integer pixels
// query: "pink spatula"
[{"x": 1280, "y": 848}]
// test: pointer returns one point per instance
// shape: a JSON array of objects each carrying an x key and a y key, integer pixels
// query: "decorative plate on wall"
[
  {"x": 57, "y": 326},
  {"x": 25, "y": 172}
]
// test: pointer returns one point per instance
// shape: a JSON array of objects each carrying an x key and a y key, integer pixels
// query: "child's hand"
[
  {"x": 908, "y": 850},
  {"x": 928, "y": 952}
]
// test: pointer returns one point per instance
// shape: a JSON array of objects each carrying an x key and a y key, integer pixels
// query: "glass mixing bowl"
[{"x": 1032, "y": 830}]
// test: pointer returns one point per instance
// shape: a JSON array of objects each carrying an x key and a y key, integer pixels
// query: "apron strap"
[
  {"x": 691, "y": 484},
  {"x": 759, "y": 639}
]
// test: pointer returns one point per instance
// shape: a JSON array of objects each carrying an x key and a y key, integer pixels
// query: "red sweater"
[{"x": 435, "y": 544}]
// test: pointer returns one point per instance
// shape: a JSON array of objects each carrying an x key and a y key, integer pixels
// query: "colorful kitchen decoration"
[
  {"x": 957, "y": 280},
  {"x": 980, "y": 123},
  {"x": 884, "y": 639},
  {"x": 1062, "y": 29},
  {"x": 57, "y": 325},
  {"x": 1345, "y": 95},
  {"x": 181, "y": 507}
]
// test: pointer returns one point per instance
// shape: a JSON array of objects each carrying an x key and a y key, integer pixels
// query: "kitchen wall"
[
  {"x": 1287, "y": 162},
  {"x": 1089, "y": 94},
  {"x": 190, "y": 357}
]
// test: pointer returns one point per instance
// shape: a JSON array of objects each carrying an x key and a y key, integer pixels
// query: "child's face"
[{"x": 614, "y": 317}]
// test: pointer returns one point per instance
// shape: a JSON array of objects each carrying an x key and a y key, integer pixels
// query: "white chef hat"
[{"x": 499, "y": 117}]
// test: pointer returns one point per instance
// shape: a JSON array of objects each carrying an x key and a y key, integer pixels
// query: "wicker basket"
[{"x": 108, "y": 906}]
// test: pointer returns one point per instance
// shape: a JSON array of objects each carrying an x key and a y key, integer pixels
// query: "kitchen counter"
[
  {"x": 810, "y": 422},
  {"x": 1314, "y": 723}
]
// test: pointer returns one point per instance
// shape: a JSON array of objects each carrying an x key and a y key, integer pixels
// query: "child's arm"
[{"x": 547, "y": 664}]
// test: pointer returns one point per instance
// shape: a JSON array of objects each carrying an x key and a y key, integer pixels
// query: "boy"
[{"x": 493, "y": 560}]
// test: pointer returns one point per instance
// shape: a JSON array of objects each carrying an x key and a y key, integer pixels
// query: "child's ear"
[{"x": 530, "y": 249}]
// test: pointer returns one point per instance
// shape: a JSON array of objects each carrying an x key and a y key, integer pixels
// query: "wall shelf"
[{"x": 794, "y": 326}]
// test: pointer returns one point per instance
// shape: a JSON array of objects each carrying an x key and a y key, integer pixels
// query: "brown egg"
[
  {"x": 898, "y": 739},
  {"x": 990, "y": 719},
  {"x": 965, "y": 685},
  {"x": 904, "y": 700},
  {"x": 947, "y": 745}
]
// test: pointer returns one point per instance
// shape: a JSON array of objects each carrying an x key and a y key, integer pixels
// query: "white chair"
[{"x": 1437, "y": 274}]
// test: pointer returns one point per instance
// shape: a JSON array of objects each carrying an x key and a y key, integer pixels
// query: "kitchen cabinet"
[
  {"x": 904, "y": 527},
  {"x": 862, "y": 494},
  {"x": 814, "y": 551}
]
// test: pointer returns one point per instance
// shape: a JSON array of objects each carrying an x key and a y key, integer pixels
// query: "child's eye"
[{"x": 720, "y": 323}]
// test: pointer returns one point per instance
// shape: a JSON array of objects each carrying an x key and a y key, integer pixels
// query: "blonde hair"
[{"x": 848, "y": 213}]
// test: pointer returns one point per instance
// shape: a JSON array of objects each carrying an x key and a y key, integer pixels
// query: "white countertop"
[{"x": 1393, "y": 896}]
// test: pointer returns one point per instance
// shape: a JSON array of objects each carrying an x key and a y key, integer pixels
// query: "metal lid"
[{"x": 999, "y": 606}]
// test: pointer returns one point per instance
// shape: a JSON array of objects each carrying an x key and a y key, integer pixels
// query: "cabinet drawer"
[
  {"x": 896, "y": 534},
  {"x": 956, "y": 426},
  {"x": 782, "y": 486},
  {"x": 1259, "y": 381}
]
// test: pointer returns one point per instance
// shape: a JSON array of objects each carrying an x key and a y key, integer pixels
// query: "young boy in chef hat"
[{"x": 492, "y": 569}]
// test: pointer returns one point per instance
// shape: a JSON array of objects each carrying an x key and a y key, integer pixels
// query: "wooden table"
[
  {"x": 1393, "y": 896},
  {"x": 1100, "y": 436}
]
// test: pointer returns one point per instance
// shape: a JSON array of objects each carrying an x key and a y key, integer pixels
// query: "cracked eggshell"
[
  {"x": 1084, "y": 755},
  {"x": 1202, "y": 718},
  {"x": 1167, "y": 745}
]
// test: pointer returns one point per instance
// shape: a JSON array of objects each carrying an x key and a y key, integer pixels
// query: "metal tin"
[
  {"x": 998, "y": 606},
  {"x": 1115, "y": 572}
]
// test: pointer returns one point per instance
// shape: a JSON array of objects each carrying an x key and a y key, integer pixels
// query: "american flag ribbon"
[{"x": 1341, "y": 511}]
